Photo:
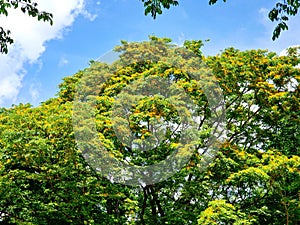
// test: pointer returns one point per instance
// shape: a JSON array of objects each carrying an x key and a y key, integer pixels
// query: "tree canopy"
[{"x": 254, "y": 177}]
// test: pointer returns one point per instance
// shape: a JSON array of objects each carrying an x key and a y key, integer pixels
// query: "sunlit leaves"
[{"x": 220, "y": 212}]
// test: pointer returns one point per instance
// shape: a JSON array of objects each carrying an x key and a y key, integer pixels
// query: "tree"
[
  {"x": 43, "y": 179},
  {"x": 26, "y": 6},
  {"x": 280, "y": 13},
  {"x": 46, "y": 177}
]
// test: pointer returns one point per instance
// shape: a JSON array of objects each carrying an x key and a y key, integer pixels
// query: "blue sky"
[{"x": 86, "y": 29}]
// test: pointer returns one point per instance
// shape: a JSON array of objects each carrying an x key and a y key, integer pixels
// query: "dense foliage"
[{"x": 254, "y": 178}]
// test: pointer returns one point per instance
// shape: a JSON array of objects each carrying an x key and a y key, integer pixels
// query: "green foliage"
[
  {"x": 26, "y": 6},
  {"x": 281, "y": 13},
  {"x": 254, "y": 178},
  {"x": 43, "y": 178},
  {"x": 155, "y": 6},
  {"x": 220, "y": 212}
]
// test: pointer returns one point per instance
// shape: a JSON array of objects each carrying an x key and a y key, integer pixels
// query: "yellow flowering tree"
[{"x": 253, "y": 178}]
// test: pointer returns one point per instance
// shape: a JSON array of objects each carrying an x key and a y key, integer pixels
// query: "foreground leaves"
[{"x": 26, "y": 6}]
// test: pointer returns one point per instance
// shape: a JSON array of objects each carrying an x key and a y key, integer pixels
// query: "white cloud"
[
  {"x": 30, "y": 37},
  {"x": 11, "y": 75}
]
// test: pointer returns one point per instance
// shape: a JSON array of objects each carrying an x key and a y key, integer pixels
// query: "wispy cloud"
[
  {"x": 180, "y": 39},
  {"x": 63, "y": 61},
  {"x": 88, "y": 15},
  {"x": 34, "y": 91},
  {"x": 287, "y": 38}
]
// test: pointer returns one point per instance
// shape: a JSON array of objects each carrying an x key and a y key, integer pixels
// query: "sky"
[{"x": 85, "y": 30}]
